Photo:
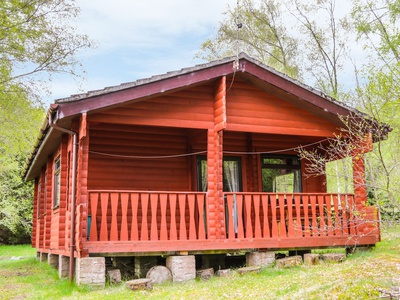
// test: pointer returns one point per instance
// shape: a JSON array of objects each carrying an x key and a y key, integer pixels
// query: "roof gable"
[
  {"x": 243, "y": 67},
  {"x": 248, "y": 69}
]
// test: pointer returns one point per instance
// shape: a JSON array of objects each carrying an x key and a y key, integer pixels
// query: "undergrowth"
[{"x": 362, "y": 276}]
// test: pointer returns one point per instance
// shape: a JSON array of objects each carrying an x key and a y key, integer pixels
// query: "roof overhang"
[{"x": 244, "y": 67}]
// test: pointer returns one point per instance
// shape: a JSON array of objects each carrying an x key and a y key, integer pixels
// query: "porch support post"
[
  {"x": 81, "y": 215},
  {"x": 214, "y": 182},
  {"x": 360, "y": 190},
  {"x": 219, "y": 126},
  {"x": 216, "y": 220}
]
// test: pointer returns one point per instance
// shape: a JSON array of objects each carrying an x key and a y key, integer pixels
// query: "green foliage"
[
  {"x": 36, "y": 41},
  {"x": 262, "y": 35},
  {"x": 311, "y": 38},
  {"x": 361, "y": 276},
  {"x": 377, "y": 27},
  {"x": 18, "y": 126},
  {"x": 37, "y": 38}
]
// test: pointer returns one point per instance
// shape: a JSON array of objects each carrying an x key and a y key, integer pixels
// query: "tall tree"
[
  {"x": 326, "y": 35},
  {"x": 19, "y": 120},
  {"x": 261, "y": 32},
  {"x": 37, "y": 40},
  {"x": 377, "y": 27}
]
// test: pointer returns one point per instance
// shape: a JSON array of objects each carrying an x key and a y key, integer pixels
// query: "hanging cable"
[
  {"x": 204, "y": 152},
  {"x": 148, "y": 157}
]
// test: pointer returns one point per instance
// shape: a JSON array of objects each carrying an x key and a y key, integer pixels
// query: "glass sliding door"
[
  {"x": 232, "y": 174},
  {"x": 281, "y": 174}
]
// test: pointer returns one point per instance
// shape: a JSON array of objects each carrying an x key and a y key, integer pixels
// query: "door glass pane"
[
  {"x": 232, "y": 172},
  {"x": 281, "y": 174},
  {"x": 281, "y": 180}
]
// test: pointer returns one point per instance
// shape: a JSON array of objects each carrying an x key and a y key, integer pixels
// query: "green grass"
[{"x": 359, "y": 277}]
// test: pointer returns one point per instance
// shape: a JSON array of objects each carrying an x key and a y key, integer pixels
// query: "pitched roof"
[{"x": 243, "y": 67}]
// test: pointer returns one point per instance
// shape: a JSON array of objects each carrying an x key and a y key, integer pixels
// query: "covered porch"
[{"x": 138, "y": 222}]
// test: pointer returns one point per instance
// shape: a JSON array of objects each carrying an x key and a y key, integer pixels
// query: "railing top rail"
[
  {"x": 301, "y": 194},
  {"x": 145, "y": 192}
]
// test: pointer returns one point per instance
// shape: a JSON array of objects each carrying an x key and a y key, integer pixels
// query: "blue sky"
[{"x": 139, "y": 38}]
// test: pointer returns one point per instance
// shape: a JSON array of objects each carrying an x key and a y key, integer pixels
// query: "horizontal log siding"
[
  {"x": 107, "y": 172},
  {"x": 192, "y": 108},
  {"x": 251, "y": 110}
]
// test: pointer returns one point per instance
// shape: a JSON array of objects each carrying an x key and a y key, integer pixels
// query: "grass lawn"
[{"x": 361, "y": 276}]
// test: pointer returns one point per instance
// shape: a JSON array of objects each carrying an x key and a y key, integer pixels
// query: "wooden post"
[
  {"x": 360, "y": 190},
  {"x": 82, "y": 194},
  {"x": 219, "y": 126}
]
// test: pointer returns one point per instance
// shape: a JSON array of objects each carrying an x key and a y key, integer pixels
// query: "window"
[
  {"x": 202, "y": 173},
  {"x": 56, "y": 182},
  {"x": 232, "y": 174},
  {"x": 232, "y": 169},
  {"x": 281, "y": 174},
  {"x": 39, "y": 196}
]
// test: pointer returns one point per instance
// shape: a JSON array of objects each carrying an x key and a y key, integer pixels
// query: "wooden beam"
[
  {"x": 142, "y": 91},
  {"x": 224, "y": 244}
]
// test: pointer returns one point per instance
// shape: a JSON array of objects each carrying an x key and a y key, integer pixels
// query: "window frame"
[
  {"x": 201, "y": 158},
  {"x": 281, "y": 167},
  {"x": 56, "y": 181}
]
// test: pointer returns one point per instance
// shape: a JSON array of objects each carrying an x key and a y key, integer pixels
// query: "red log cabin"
[{"x": 201, "y": 160}]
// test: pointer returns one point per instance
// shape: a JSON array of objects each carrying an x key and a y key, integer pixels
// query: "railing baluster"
[
  {"x": 144, "y": 232},
  {"x": 240, "y": 221},
  {"x": 351, "y": 209},
  {"x": 337, "y": 216},
  {"x": 104, "y": 225},
  {"x": 173, "y": 233},
  {"x": 298, "y": 226},
  {"x": 192, "y": 225},
  {"x": 202, "y": 222},
  {"x": 182, "y": 211},
  {"x": 247, "y": 209},
  {"x": 274, "y": 217},
  {"x": 135, "y": 217},
  {"x": 114, "y": 197},
  {"x": 282, "y": 221},
  {"x": 124, "y": 220},
  {"x": 322, "y": 229},
  {"x": 314, "y": 223},
  {"x": 257, "y": 222},
  {"x": 163, "y": 227},
  {"x": 328, "y": 203},
  {"x": 94, "y": 200},
  {"x": 265, "y": 203},
  {"x": 305, "y": 201},
  {"x": 153, "y": 212},
  {"x": 345, "y": 225},
  {"x": 230, "y": 217},
  {"x": 289, "y": 201}
]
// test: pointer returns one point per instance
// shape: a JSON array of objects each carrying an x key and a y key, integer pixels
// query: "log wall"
[
  {"x": 130, "y": 165},
  {"x": 250, "y": 109}
]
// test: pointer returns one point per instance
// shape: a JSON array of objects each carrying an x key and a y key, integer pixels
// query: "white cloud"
[
  {"x": 139, "y": 38},
  {"x": 149, "y": 24}
]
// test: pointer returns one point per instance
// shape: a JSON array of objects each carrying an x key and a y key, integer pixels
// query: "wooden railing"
[
  {"x": 143, "y": 216},
  {"x": 182, "y": 216},
  {"x": 271, "y": 215}
]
